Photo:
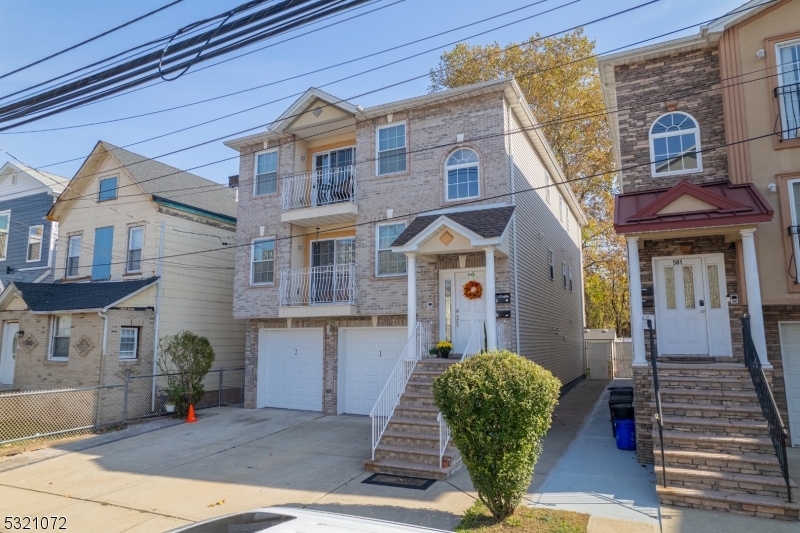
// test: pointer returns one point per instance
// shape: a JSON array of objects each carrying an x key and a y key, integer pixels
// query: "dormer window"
[
  {"x": 674, "y": 145},
  {"x": 461, "y": 172}
]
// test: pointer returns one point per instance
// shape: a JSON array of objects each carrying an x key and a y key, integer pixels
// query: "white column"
[
  {"x": 635, "y": 296},
  {"x": 754, "y": 295},
  {"x": 411, "y": 269},
  {"x": 491, "y": 309}
]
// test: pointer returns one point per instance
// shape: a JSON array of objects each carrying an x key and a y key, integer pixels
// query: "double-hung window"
[
  {"x": 560, "y": 208},
  {"x": 129, "y": 343},
  {"x": 5, "y": 219},
  {"x": 73, "y": 255},
  {"x": 551, "y": 256},
  {"x": 266, "y": 181},
  {"x": 108, "y": 189},
  {"x": 387, "y": 262},
  {"x": 263, "y": 262},
  {"x": 35, "y": 234},
  {"x": 564, "y": 274},
  {"x": 391, "y": 149},
  {"x": 788, "y": 90},
  {"x": 570, "y": 279},
  {"x": 59, "y": 345},
  {"x": 135, "y": 242},
  {"x": 548, "y": 181}
]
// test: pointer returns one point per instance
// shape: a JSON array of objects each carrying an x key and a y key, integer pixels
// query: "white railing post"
[
  {"x": 331, "y": 284},
  {"x": 319, "y": 187}
]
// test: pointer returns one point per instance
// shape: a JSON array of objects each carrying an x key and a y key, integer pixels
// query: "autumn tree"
[{"x": 559, "y": 78}]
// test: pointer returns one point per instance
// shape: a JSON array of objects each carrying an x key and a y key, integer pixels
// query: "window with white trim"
[
  {"x": 262, "y": 269},
  {"x": 570, "y": 279},
  {"x": 135, "y": 245},
  {"x": 391, "y": 149},
  {"x": 59, "y": 342},
  {"x": 5, "y": 219},
  {"x": 560, "y": 207},
  {"x": 548, "y": 181},
  {"x": 108, "y": 189},
  {"x": 266, "y": 173},
  {"x": 129, "y": 343},
  {"x": 564, "y": 274},
  {"x": 73, "y": 255},
  {"x": 387, "y": 262},
  {"x": 461, "y": 171},
  {"x": 788, "y": 90},
  {"x": 552, "y": 262},
  {"x": 675, "y": 145},
  {"x": 794, "y": 208},
  {"x": 35, "y": 235}
]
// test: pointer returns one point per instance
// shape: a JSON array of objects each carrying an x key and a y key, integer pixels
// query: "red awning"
[{"x": 719, "y": 203}]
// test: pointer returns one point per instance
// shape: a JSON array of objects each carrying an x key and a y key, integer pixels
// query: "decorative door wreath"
[{"x": 473, "y": 290}]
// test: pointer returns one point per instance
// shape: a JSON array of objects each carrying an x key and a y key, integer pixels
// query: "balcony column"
[
  {"x": 754, "y": 295},
  {"x": 635, "y": 296},
  {"x": 411, "y": 269},
  {"x": 491, "y": 311}
]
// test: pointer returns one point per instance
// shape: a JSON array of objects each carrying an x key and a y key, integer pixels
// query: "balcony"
[
  {"x": 319, "y": 197},
  {"x": 787, "y": 124},
  {"x": 318, "y": 291}
]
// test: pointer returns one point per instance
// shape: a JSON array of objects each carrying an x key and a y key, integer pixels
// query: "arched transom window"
[
  {"x": 674, "y": 145},
  {"x": 461, "y": 170}
]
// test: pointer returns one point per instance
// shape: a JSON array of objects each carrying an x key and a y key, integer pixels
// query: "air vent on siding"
[
  {"x": 273, "y": 144},
  {"x": 380, "y": 120}
]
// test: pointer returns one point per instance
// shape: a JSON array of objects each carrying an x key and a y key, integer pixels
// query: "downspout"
[
  {"x": 158, "y": 314},
  {"x": 514, "y": 233}
]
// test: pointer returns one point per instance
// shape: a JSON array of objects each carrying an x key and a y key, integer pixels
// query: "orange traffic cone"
[{"x": 191, "y": 418}]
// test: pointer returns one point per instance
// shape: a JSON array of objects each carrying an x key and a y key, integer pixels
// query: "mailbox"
[
  {"x": 502, "y": 298},
  {"x": 503, "y": 314}
]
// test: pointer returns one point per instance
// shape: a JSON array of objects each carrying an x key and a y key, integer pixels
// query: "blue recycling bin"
[{"x": 626, "y": 434}]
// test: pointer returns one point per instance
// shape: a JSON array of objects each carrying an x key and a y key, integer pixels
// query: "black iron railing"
[
  {"x": 787, "y": 123},
  {"x": 657, "y": 392},
  {"x": 777, "y": 431}
]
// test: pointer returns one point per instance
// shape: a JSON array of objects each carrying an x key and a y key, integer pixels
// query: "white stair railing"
[
  {"x": 319, "y": 187},
  {"x": 389, "y": 397},
  {"x": 331, "y": 284},
  {"x": 474, "y": 347}
]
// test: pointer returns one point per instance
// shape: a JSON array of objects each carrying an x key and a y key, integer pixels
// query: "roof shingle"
[
  {"x": 485, "y": 222},
  {"x": 53, "y": 297}
]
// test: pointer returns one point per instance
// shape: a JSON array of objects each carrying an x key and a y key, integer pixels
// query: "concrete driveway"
[{"x": 231, "y": 460}]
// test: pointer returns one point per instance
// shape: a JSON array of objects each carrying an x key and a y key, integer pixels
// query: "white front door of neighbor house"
[
  {"x": 458, "y": 314},
  {"x": 790, "y": 352},
  {"x": 290, "y": 368},
  {"x": 691, "y": 306},
  {"x": 8, "y": 355},
  {"x": 367, "y": 357}
]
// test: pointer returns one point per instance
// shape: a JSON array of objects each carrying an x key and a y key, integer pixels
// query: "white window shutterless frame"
[
  {"x": 60, "y": 334},
  {"x": 73, "y": 256},
  {"x": 691, "y": 306},
  {"x": 388, "y": 263},
  {"x": 135, "y": 244},
  {"x": 794, "y": 205},
  {"x": 461, "y": 172},
  {"x": 675, "y": 145},
  {"x": 390, "y": 148},
  {"x": 35, "y": 235},
  {"x": 129, "y": 343},
  {"x": 788, "y": 92},
  {"x": 5, "y": 220},
  {"x": 266, "y": 173}
]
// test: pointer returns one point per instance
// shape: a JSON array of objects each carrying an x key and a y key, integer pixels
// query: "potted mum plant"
[{"x": 443, "y": 349}]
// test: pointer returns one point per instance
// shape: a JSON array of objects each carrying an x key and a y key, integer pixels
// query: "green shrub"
[
  {"x": 187, "y": 358},
  {"x": 499, "y": 407}
]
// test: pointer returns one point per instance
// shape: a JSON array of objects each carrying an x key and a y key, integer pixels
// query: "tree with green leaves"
[
  {"x": 559, "y": 78},
  {"x": 186, "y": 358}
]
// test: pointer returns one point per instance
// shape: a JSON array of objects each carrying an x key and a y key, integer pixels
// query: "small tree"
[
  {"x": 186, "y": 358},
  {"x": 499, "y": 407}
]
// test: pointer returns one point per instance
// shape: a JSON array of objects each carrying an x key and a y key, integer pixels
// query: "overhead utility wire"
[{"x": 91, "y": 39}]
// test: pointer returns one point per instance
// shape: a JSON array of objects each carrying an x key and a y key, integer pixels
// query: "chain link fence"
[{"x": 34, "y": 416}]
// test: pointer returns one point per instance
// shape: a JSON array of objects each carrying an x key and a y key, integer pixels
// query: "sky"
[{"x": 37, "y": 28}]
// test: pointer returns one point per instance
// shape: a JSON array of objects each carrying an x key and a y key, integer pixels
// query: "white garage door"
[
  {"x": 290, "y": 368},
  {"x": 790, "y": 350},
  {"x": 368, "y": 356}
]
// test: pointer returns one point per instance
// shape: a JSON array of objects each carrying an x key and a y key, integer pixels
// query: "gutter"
[
  {"x": 195, "y": 210},
  {"x": 158, "y": 315}
]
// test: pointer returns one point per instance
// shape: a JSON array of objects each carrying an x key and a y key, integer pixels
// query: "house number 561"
[{"x": 677, "y": 261}]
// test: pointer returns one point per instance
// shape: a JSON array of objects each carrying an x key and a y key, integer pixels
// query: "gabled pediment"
[
  {"x": 313, "y": 108},
  {"x": 687, "y": 197}
]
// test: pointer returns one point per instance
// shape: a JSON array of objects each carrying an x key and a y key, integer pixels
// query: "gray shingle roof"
[
  {"x": 171, "y": 183},
  {"x": 52, "y": 297},
  {"x": 485, "y": 222}
]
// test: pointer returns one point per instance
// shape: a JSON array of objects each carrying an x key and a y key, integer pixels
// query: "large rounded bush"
[{"x": 499, "y": 407}]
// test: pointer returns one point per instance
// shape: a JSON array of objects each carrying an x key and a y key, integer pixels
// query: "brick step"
[
  {"x": 439, "y": 365},
  {"x": 419, "y": 386},
  {"x": 705, "y": 370},
  {"x": 414, "y": 425},
  {"x": 416, "y": 398},
  {"x": 741, "y": 383},
  {"x": 755, "y": 464},
  {"x": 408, "y": 439},
  {"x": 716, "y": 426},
  {"x": 402, "y": 468},
  {"x": 424, "y": 376},
  {"x": 408, "y": 454},
  {"x": 682, "y": 440},
  {"x": 747, "y": 412},
  {"x": 692, "y": 478},
  {"x": 748, "y": 504},
  {"x": 426, "y": 412},
  {"x": 707, "y": 397}
]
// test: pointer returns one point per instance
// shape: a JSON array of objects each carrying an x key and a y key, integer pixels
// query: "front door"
[
  {"x": 8, "y": 355},
  {"x": 691, "y": 306},
  {"x": 464, "y": 314}
]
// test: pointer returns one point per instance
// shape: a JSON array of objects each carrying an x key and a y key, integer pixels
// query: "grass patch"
[{"x": 525, "y": 520}]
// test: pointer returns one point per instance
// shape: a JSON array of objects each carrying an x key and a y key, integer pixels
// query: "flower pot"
[
  {"x": 445, "y": 463},
  {"x": 169, "y": 407}
]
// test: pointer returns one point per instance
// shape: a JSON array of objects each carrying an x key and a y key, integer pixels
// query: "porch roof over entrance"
[
  {"x": 687, "y": 205},
  {"x": 483, "y": 223}
]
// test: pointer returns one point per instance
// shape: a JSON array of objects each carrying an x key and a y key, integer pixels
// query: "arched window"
[
  {"x": 461, "y": 171},
  {"x": 674, "y": 145}
]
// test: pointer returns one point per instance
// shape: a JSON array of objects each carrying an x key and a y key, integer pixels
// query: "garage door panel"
[
  {"x": 790, "y": 353},
  {"x": 369, "y": 355},
  {"x": 290, "y": 369}
]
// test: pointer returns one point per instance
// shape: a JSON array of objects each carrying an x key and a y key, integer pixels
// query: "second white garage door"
[
  {"x": 290, "y": 368},
  {"x": 790, "y": 350},
  {"x": 368, "y": 356}
]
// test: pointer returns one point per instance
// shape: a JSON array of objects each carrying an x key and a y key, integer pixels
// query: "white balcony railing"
[
  {"x": 332, "y": 284},
  {"x": 319, "y": 187}
]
